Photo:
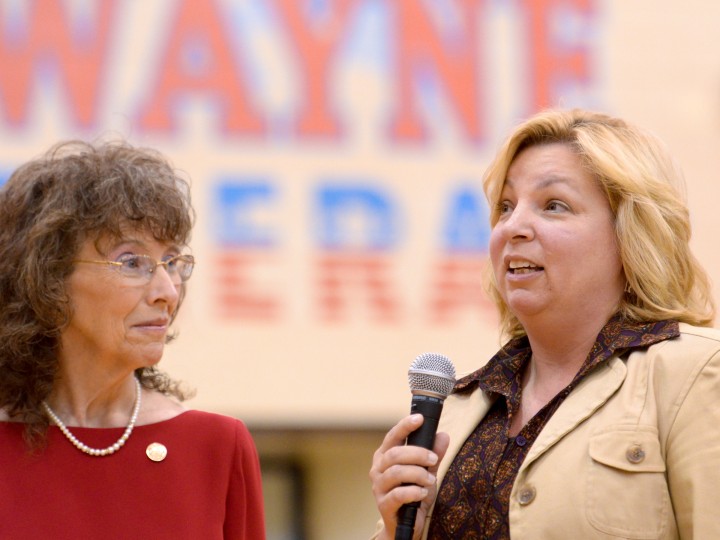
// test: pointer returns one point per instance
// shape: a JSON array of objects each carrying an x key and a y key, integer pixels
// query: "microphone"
[{"x": 431, "y": 377}]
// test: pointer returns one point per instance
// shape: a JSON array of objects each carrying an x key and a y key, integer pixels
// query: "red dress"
[{"x": 207, "y": 487}]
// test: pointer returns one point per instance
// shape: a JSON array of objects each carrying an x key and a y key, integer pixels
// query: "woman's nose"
[
  {"x": 164, "y": 285},
  {"x": 520, "y": 223}
]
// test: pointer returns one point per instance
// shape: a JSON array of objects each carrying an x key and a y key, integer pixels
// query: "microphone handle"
[{"x": 430, "y": 407}]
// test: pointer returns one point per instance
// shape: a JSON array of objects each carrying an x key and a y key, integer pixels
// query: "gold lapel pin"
[{"x": 156, "y": 451}]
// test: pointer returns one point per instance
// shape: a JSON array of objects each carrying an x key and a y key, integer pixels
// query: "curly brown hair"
[{"x": 48, "y": 208}]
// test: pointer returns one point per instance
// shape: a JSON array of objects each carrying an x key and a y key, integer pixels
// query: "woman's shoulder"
[
  {"x": 212, "y": 418},
  {"x": 205, "y": 431},
  {"x": 692, "y": 351},
  {"x": 213, "y": 432},
  {"x": 700, "y": 332},
  {"x": 209, "y": 423},
  {"x": 700, "y": 341}
]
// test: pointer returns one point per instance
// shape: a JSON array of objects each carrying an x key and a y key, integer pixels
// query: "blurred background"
[{"x": 336, "y": 150}]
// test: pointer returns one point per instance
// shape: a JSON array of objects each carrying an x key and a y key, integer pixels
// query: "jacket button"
[
  {"x": 526, "y": 495},
  {"x": 635, "y": 454}
]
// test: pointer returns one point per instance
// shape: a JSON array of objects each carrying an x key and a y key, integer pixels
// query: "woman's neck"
[
  {"x": 93, "y": 400},
  {"x": 559, "y": 348}
]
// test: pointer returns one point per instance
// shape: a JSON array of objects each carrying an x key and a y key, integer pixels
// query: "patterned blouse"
[{"x": 474, "y": 498}]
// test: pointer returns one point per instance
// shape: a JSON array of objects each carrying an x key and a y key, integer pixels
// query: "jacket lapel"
[
  {"x": 462, "y": 414},
  {"x": 581, "y": 403}
]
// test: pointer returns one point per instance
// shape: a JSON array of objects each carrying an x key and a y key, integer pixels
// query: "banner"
[{"x": 336, "y": 150}]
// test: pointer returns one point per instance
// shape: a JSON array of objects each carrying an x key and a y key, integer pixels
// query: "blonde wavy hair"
[{"x": 646, "y": 194}]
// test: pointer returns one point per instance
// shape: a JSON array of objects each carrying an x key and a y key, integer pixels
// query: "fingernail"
[
  {"x": 415, "y": 418},
  {"x": 431, "y": 479},
  {"x": 432, "y": 458},
  {"x": 424, "y": 493}
]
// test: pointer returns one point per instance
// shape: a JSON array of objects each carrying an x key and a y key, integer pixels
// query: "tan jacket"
[{"x": 632, "y": 452}]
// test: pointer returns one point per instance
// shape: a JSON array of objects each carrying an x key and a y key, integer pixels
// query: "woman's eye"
[
  {"x": 130, "y": 261},
  {"x": 556, "y": 206},
  {"x": 171, "y": 260},
  {"x": 504, "y": 207}
]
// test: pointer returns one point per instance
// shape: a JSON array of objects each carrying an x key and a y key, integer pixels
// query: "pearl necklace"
[{"x": 99, "y": 451}]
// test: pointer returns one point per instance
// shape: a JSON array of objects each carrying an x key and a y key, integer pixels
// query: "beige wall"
[
  {"x": 651, "y": 62},
  {"x": 338, "y": 502}
]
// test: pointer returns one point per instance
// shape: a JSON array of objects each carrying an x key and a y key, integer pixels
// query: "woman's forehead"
[{"x": 127, "y": 233}]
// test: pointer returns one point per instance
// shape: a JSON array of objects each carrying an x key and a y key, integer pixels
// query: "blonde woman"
[{"x": 600, "y": 416}]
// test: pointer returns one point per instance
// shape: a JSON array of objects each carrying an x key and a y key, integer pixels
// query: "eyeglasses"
[{"x": 142, "y": 267}]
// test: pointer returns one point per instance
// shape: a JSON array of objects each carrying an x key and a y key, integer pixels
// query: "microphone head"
[{"x": 432, "y": 373}]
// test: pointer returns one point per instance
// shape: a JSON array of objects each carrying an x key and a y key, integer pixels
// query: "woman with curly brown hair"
[{"x": 94, "y": 440}]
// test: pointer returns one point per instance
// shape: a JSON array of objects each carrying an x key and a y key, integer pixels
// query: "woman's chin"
[
  {"x": 150, "y": 356},
  {"x": 522, "y": 304}
]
